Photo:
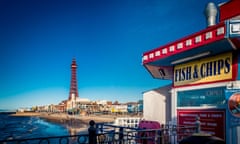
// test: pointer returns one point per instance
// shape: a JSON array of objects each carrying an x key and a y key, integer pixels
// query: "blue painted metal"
[{"x": 109, "y": 134}]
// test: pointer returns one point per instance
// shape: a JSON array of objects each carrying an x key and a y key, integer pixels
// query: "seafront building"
[
  {"x": 76, "y": 105},
  {"x": 204, "y": 70},
  {"x": 74, "y": 101}
]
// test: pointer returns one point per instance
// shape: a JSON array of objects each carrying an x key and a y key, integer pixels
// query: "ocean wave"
[{"x": 28, "y": 127}]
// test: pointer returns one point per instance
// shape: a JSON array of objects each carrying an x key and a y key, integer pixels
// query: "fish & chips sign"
[{"x": 210, "y": 69}]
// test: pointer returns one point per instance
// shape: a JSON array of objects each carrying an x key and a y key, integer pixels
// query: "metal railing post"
[
  {"x": 158, "y": 137},
  {"x": 198, "y": 125},
  {"x": 92, "y": 134},
  {"x": 162, "y": 136},
  {"x": 121, "y": 135}
]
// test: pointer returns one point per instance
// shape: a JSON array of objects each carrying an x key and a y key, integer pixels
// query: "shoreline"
[
  {"x": 66, "y": 119},
  {"x": 25, "y": 114},
  {"x": 75, "y": 124}
]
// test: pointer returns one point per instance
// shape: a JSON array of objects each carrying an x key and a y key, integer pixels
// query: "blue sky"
[{"x": 39, "y": 39}]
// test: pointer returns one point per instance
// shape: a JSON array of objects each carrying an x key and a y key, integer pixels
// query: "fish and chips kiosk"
[{"x": 205, "y": 73}]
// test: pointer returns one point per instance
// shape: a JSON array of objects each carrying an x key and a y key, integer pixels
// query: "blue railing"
[{"x": 110, "y": 134}]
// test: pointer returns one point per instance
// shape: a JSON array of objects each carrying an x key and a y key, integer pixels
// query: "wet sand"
[
  {"x": 63, "y": 118},
  {"x": 26, "y": 114},
  {"x": 75, "y": 124}
]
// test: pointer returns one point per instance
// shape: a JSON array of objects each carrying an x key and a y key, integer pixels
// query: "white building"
[
  {"x": 76, "y": 102},
  {"x": 157, "y": 105}
]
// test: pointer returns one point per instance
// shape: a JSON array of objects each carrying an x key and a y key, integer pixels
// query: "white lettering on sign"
[
  {"x": 145, "y": 57},
  {"x": 179, "y": 45},
  {"x": 216, "y": 115},
  {"x": 189, "y": 123},
  {"x": 203, "y": 115},
  {"x": 189, "y": 42},
  {"x": 157, "y": 53},
  {"x": 202, "y": 38},
  {"x": 211, "y": 121},
  {"x": 164, "y": 51},
  {"x": 188, "y": 115},
  {"x": 211, "y": 124},
  {"x": 220, "y": 31},
  {"x": 214, "y": 92},
  {"x": 208, "y": 35},
  {"x": 198, "y": 39},
  {"x": 172, "y": 48},
  {"x": 151, "y": 55}
]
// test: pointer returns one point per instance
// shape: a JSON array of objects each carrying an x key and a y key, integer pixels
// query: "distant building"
[
  {"x": 76, "y": 105},
  {"x": 74, "y": 102},
  {"x": 132, "y": 107},
  {"x": 73, "y": 93},
  {"x": 119, "y": 108}
]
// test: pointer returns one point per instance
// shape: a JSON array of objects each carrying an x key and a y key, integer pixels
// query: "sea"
[{"x": 23, "y": 127}]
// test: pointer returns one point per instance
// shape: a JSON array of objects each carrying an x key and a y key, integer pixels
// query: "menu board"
[{"x": 212, "y": 121}]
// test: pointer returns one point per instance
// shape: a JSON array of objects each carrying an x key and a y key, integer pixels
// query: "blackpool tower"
[{"x": 73, "y": 94}]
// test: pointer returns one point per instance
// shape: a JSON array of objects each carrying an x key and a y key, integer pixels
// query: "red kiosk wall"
[{"x": 212, "y": 121}]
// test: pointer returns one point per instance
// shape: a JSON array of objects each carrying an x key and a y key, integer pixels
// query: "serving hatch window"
[{"x": 201, "y": 97}]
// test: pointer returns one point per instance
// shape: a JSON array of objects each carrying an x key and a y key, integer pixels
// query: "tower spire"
[{"x": 73, "y": 94}]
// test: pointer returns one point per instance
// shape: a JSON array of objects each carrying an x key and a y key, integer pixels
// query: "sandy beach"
[
  {"x": 26, "y": 114},
  {"x": 63, "y": 118}
]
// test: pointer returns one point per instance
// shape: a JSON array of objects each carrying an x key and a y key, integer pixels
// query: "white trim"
[
  {"x": 191, "y": 57},
  {"x": 231, "y": 43},
  {"x": 202, "y": 86}
]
